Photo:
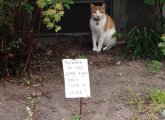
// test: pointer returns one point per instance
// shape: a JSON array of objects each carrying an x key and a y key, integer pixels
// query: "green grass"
[
  {"x": 150, "y": 103},
  {"x": 155, "y": 65},
  {"x": 75, "y": 117},
  {"x": 81, "y": 56}
]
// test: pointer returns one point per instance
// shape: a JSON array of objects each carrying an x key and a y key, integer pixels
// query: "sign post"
[{"x": 76, "y": 78}]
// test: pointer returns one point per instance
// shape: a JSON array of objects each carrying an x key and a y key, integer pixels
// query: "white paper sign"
[{"x": 76, "y": 77}]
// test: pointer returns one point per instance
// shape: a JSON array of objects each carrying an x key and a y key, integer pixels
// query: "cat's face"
[{"x": 97, "y": 12}]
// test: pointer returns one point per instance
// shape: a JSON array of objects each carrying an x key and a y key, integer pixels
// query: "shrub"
[
  {"x": 17, "y": 19},
  {"x": 143, "y": 43},
  {"x": 52, "y": 11}
]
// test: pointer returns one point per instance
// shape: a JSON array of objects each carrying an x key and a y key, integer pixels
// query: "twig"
[
  {"x": 19, "y": 100},
  {"x": 2, "y": 44},
  {"x": 133, "y": 66},
  {"x": 33, "y": 86},
  {"x": 29, "y": 55},
  {"x": 10, "y": 26}
]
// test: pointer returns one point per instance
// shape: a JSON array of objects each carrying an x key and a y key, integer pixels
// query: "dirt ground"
[{"x": 112, "y": 79}]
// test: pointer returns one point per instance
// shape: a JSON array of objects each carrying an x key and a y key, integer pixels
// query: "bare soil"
[{"x": 112, "y": 81}]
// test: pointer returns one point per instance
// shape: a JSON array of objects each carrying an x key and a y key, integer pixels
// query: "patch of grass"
[
  {"x": 157, "y": 103},
  {"x": 138, "y": 101},
  {"x": 150, "y": 103},
  {"x": 81, "y": 56},
  {"x": 155, "y": 65},
  {"x": 75, "y": 117}
]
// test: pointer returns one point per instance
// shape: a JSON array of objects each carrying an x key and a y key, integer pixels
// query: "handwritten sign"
[{"x": 76, "y": 77}]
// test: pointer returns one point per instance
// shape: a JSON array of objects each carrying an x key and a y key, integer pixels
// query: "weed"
[
  {"x": 157, "y": 103},
  {"x": 75, "y": 117},
  {"x": 155, "y": 65},
  {"x": 152, "y": 103},
  {"x": 137, "y": 100},
  {"x": 81, "y": 56}
]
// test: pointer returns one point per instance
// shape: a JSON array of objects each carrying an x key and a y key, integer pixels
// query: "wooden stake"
[{"x": 80, "y": 107}]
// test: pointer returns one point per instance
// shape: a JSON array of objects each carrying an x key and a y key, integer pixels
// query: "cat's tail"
[{"x": 111, "y": 46}]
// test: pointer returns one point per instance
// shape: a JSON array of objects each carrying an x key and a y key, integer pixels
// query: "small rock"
[
  {"x": 120, "y": 74},
  {"x": 118, "y": 63},
  {"x": 90, "y": 63},
  {"x": 49, "y": 52},
  {"x": 163, "y": 113}
]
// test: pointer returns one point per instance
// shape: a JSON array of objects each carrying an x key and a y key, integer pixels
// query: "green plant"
[
  {"x": 75, "y": 117},
  {"x": 118, "y": 35},
  {"x": 143, "y": 43},
  {"x": 52, "y": 11},
  {"x": 155, "y": 65},
  {"x": 81, "y": 56},
  {"x": 10, "y": 40},
  {"x": 151, "y": 102},
  {"x": 157, "y": 102},
  {"x": 159, "y": 7},
  {"x": 161, "y": 45},
  {"x": 157, "y": 96},
  {"x": 136, "y": 99},
  {"x": 17, "y": 30},
  {"x": 153, "y": 2}
]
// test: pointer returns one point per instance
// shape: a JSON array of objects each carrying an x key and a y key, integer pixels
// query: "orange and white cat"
[{"x": 102, "y": 27}]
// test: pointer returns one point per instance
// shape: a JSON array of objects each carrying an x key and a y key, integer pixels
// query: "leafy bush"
[
  {"x": 52, "y": 11},
  {"x": 159, "y": 7},
  {"x": 10, "y": 40},
  {"x": 17, "y": 19},
  {"x": 143, "y": 43}
]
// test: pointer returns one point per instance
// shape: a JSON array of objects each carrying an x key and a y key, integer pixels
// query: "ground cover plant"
[
  {"x": 155, "y": 65},
  {"x": 152, "y": 102}
]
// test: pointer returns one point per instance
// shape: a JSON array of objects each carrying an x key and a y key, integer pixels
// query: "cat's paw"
[
  {"x": 98, "y": 50},
  {"x": 94, "y": 49}
]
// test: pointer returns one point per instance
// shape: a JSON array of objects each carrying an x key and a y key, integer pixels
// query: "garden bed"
[{"x": 112, "y": 80}]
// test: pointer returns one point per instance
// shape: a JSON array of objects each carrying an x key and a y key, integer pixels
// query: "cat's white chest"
[{"x": 97, "y": 26}]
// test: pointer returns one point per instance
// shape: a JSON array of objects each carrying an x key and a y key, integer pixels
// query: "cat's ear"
[
  {"x": 103, "y": 5},
  {"x": 92, "y": 5}
]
